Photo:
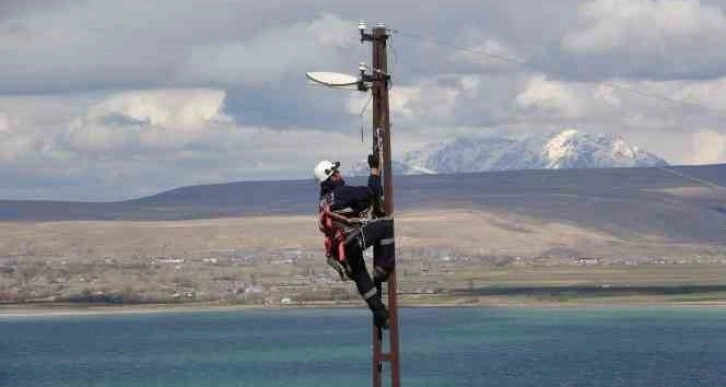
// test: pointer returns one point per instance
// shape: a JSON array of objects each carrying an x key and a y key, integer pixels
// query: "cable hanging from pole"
[{"x": 360, "y": 116}]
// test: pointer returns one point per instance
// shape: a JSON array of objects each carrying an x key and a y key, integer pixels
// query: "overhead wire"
[
  {"x": 471, "y": 50},
  {"x": 648, "y": 94},
  {"x": 705, "y": 182},
  {"x": 526, "y": 64},
  {"x": 394, "y": 57},
  {"x": 612, "y": 84},
  {"x": 529, "y": 65}
]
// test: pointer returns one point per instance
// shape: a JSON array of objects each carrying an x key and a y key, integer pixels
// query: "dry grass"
[{"x": 483, "y": 233}]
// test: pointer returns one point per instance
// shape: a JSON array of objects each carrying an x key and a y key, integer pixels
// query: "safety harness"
[
  {"x": 342, "y": 227},
  {"x": 338, "y": 230}
]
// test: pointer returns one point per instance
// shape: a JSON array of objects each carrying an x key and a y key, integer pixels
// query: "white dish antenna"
[{"x": 331, "y": 79}]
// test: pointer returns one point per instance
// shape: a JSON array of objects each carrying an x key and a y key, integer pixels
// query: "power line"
[
  {"x": 614, "y": 85},
  {"x": 705, "y": 182},
  {"x": 502, "y": 58},
  {"x": 524, "y": 63},
  {"x": 664, "y": 98}
]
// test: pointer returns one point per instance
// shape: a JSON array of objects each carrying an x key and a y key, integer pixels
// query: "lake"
[{"x": 446, "y": 346}]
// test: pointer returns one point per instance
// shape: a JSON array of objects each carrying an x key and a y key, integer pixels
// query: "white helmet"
[{"x": 325, "y": 169}]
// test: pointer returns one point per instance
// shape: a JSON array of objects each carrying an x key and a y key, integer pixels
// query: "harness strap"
[
  {"x": 340, "y": 230},
  {"x": 335, "y": 236}
]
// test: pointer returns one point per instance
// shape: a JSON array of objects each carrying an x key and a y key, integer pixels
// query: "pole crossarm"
[{"x": 365, "y": 80}]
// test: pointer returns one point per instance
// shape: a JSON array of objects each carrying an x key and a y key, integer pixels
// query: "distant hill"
[
  {"x": 685, "y": 203},
  {"x": 566, "y": 149}
]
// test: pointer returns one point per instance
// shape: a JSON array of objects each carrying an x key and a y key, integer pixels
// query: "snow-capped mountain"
[{"x": 567, "y": 149}]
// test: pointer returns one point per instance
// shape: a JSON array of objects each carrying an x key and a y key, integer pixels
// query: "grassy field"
[{"x": 618, "y": 284}]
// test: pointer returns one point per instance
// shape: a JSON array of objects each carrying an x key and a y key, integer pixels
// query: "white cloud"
[
  {"x": 134, "y": 143},
  {"x": 164, "y": 43},
  {"x": 541, "y": 95},
  {"x": 607, "y": 95},
  {"x": 5, "y": 124},
  {"x": 445, "y": 99},
  {"x": 151, "y": 119},
  {"x": 710, "y": 94},
  {"x": 15, "y": 144},
  {"x": 709, "y": 147},
  {"x": 646, "y": 25},
  {"x": 404, "y": 102},
  {"x": 429, "y": 101},
  {"x": 131, "y": 143},
  {"x": 107, "y": 99},
  {"x": 650, "y": 104},
  {"x": 272, "y": 54}
]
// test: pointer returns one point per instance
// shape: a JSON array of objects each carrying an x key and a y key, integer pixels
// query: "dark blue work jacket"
[{"x": 350, "y": 199}]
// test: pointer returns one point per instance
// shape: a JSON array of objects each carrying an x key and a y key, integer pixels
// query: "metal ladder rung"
[{"x": 383, "y": 357}]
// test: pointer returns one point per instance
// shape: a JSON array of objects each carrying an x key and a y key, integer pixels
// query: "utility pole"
[{"x": 380, "y": 81}]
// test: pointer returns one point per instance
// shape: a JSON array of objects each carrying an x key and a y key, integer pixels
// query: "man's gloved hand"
[{"x": 373, "y": 161}]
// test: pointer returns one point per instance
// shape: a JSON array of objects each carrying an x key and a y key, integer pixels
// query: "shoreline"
[{"x": 61, "y": 310}]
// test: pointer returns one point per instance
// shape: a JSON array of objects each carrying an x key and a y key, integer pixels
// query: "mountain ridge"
[
  {"x": 682, "y": 203},
  {"x": 561, "y": 150}
]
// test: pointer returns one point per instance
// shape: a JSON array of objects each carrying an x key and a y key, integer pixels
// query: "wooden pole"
[{"x": 382, "y": 142}]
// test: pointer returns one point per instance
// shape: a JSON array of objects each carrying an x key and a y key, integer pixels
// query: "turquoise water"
[{"x": 331, "y": 347}]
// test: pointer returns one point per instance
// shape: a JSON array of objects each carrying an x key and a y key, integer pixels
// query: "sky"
[{"x": 112, "y": 100}]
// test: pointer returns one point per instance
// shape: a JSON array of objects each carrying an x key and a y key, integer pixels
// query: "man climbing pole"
[{"x": 351, "y": 218}]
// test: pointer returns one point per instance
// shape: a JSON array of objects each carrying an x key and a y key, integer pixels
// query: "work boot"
[{"x": 381, "y": 316}]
